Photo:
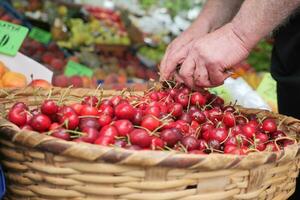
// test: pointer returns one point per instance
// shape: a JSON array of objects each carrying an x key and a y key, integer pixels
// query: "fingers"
[
  {"x": 217, "y": 75},
  {"x": 201, "y": 78},
  {"x": 187, "y": 69}
]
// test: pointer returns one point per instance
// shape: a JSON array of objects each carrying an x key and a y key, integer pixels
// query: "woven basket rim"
[{"x": 148, "y": 158}]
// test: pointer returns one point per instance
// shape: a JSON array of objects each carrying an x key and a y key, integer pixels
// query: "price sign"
[
  {"x": 74, "y": 68},
  {"x": 11, "y": 37},
  {"x": 40, "y": 35}
]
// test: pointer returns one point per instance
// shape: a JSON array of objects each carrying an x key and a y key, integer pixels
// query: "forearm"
[
  {"x": 216, "y": 13},
  {"x": 257, "y": 18}
]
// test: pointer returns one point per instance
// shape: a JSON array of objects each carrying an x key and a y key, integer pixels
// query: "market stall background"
[{"x": 119, "y": 44}]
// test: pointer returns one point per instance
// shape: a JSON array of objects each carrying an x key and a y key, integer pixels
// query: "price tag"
[
  {"x": 40, "y": 35},
  {"x": 11, "y": 37},
  {"x": 74, "y": 68}
]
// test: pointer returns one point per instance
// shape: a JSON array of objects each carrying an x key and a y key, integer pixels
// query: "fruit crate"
[{"x": 38, "y": 166}]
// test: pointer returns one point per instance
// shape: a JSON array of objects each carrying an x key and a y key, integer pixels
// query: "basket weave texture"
[{"x": 39, "y": 167}]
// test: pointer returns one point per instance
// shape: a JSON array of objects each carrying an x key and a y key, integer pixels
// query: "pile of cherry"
[{"x": 171, "y": 119}]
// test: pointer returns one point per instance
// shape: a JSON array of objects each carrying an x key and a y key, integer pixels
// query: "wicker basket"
[{"x": 42, "y": 167}]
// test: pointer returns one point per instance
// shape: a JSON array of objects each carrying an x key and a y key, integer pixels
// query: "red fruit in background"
[
  {"x": 108, "y": 131},
  {"x": 49, "y": 107},
  {"x": 89, "y": 122},
  {"x": 153, "y": 110},
  {"x": 190, "y": 143},
  {"x": 269, "y": 125},
  {"x": 229, "y": 148},
  {"x": 106, "y": 109},
  {"x": 248, "y": 130},
  {"x": 228, "y": 108},
  {"x": 150, "y": 122},
  {"x": 277, "y": 134},
  {"x": 206, "y": 135},
  {"x": 231, "y": 141},
  {"x": 215, "y": 114},
  {"x": 91, "y": 135},
  {"x": 173, "y": 92},
  {"x": 124, "y": 111},
  {"x": 157, "y": 143},
  {"x": 171, "y": 136},
  {"x": 61, "y": 134},
  {"x": 40, "y": 83},
  {"x": 175, "y": 109},
  {"x": 57, "y": 64},
  {"x": 288, "y": 142},
  {"x": 47, "y": 57},
  {"x": 198, "y": 99},
  {"x": 219, "y": 134},
  {"x": 182, "y": 125},
  {"x": 140, "y": 137},
  {"x": 153, "y": 96},
  {"x": 70, "y": 120},
  {"x": 104, "y": 119},
  {"x": 261, "y": 137},
  {"x": 123, "y": 126},
  {"x": 93, "y": 101},
  {"x": 229, "y": 119},
  {"x": 40, "y": 122},
  {"x": 253, "y": 123},
  {"x": 105, "y": 141},
  {"x": 236, "y": 130},
  {"x": 183, "y": 99},
  {"x": 104, "y": 102},
  {"x": 120, "y": 143},
  {"x": 260, "y": 146},
  {"x": 76, "y": 107},
  {"x": 207, "y": 126},
  {"x": 60, "y": 80},
  {"x": 76, "y": 81},
  {"x": 18, "y": 116},
  {"x": 89, "y": 111}
]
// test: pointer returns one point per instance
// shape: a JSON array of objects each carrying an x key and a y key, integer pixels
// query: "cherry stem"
[{"x": 229, "y": 133}]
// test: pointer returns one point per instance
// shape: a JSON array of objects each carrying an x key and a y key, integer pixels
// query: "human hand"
[
  {"x": 209, "y": 58},
  {"x": 178, "y": 49}
]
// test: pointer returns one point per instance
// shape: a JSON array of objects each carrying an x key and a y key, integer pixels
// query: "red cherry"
[
  {"x": 215, "y": 114},
  {"x": 89, "y": 122},
  {"x": 183, "y": 99},
  {"x": 173, "y": 92},
  {"x": 157, "y": 143},
  {"x": 182, "y": 125},
  {"x": 90, "y": 101},
  {"x": 105, "y": 141},
  {"x": 229, "y": 148},
  {"x": 248, "y": 130},
  {"x": 140, "y": 137},
  {"x": 231, "y": 141},
  {"x": 17, "y": 116},
  {"x": 228, "y": 108},
  {"x": 260, "y": 146},
  {"x": 115, "y": 100},
  {"x": 207, "y": 126},
  {"x": 269, "y": 125},
  {"x": 91, "y": 135},
  {"x": 198, "y": 116},
  {"x": 70, "y": 120},
  {"x": 261, "y": 137},
  {"x": 104, "y": 119},
  {"x": 271, "y": 147},
  {"x": 153, "y": 110},
  {"x": 153, "y": 96},
  {"x": 229, "y": 119},
  {"x": 123, "y": 126},
  {"x": 54, "y": 126},
  {"x": 106, "y": 102},
  {"x": 288, "y": 142},
  {"x": 20, "y": 105},
  {"x": 171, "y": 136},
  {"x": 202, "y": 144},
  {"x": 190, "y": 143},
  {"x": 138, "y": 117},
  {"x": 175, "y": 109},
  {"x": 219, "y": 134},
  {"x": 277, "y": 134},
  {"x": 40, "y": 122},
  {"x": 88, "y": 110},
  {"x": 106, "y": 109},
  {"x": 215, "y": 144},
  {"x": 253, "y": 123},
  {"x": 120, "y": 143},
  {"x": 124, "y": 111},
  {"x": 49, "y": 107},
  {"x": 77, "y": 107},
  {"x": 198, "y": 99},
  {"x": 150, "y": 122},
  {"x": 61, "y": 134},
  {"x": 236, "y": 130},
  {"x": 108, "y": 131},
  {"x": 186, "y": 117},
  {"x": 240, "y": 120}
]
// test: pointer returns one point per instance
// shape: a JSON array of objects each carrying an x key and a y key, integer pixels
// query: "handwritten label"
[
  {"x": 74, "y": 68},
  {"x": 11, "y": 37},
  {"x": 40, "y": 35}
]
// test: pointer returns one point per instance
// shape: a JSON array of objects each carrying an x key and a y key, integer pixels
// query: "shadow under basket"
[{"x": 38, "y": 166}]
